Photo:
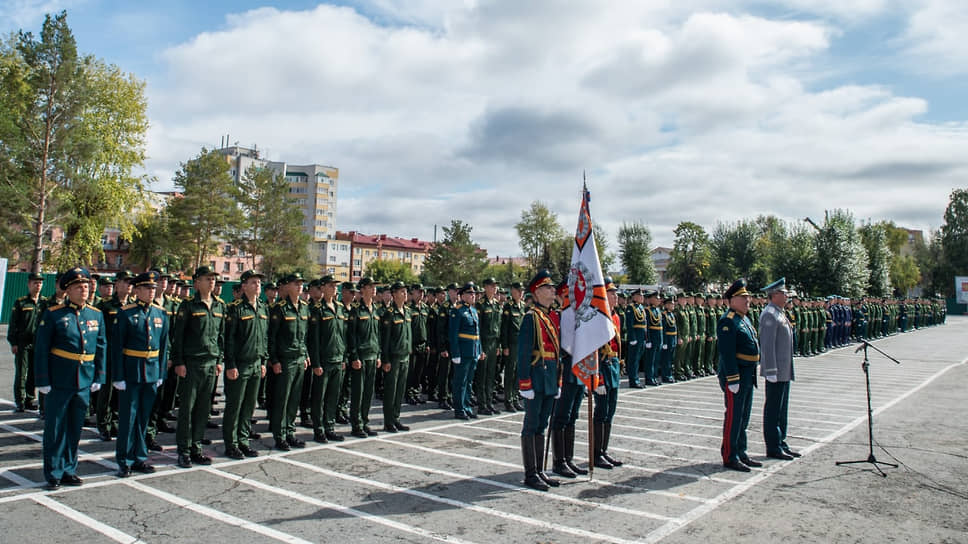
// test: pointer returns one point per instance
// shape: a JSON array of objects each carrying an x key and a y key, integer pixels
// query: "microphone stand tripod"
[{"x": 870, "y": 413}]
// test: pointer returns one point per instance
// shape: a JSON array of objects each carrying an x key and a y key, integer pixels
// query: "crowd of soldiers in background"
[{"x": 665, "y": 338}]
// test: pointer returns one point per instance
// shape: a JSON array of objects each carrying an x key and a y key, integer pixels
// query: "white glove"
[
  {"x": 527, "y": 394},
  {"x": 95, "y": 387},
  {"x": 771, "y": 378},
  {"x": 159, "y": 382},
  {"x": 665, "y": 346},
  {"x": 455, "y": 361},
  {"x": 558, "y": 394},
  {"x": 733, "y": 388},
  {"x": 120, "y": 386},
  {"x": 633, "y": 342},
  {"x": 648, "y": 344},
  {"x": 44, "y": 389},
  {"x": 600, "y": 390}
]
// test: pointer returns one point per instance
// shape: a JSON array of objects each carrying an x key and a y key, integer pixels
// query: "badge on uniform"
[
  {"x": 158, "y": 322},
  {"x": 92, "y": 324}
]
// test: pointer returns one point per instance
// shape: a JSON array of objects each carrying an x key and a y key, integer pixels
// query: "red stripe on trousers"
[{"x": 727, "y": 426}]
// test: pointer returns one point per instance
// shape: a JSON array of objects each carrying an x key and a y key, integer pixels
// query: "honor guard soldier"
[
  {"x": 539, "y": 358},
  {"x": 69, "y": 364},
  {"x": 636, "y": 320},
  {"x": 397, "y": 345},
  {"x": 364, "y": 354},
  {"x": 739, "y": 353},
  {"x": 327, "y": 355},
  {"x": 606, "y": 394},
  {"x": 670, "y": 341},
  {"x": 20, "y": 333},
  {"x": 653, "y": 339},
  {"x": 489, "y": 312},
  {"x": 567, "y": 406},
  {"x": 140, "y": 363},
  {"x": 289, "y": 359},
  {"x": 511, "y": 318},
  {"x": 465, "y": 349},
  {"x": 776, "y": 366},
  {"x": 246, "y": 357},
  {"x": 196, "y": 354}
]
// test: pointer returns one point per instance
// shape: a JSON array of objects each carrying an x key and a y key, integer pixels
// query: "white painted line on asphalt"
[
  {"x": 653, "y": 430},
  {"x": 373, "y": 518},
  {"x": 827, "y": 405},
  {"x": 17, "y": 479},
  {"x": 657, "y": 420},
  {"x": 655, "y": 411},
  {"x": 217, "y": 515},
  {"x": 542, "y": 494},
  {"x": 544, "y": 525},
  {"x": 85, "y": 520},
  {"x": 40, "y": 438}
]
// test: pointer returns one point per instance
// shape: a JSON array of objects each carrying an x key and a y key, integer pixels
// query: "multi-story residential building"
[
  {"x": 660, "y": 259},
  {"x": 334, "y": 258},
  {"x": 366, "y": 248}
]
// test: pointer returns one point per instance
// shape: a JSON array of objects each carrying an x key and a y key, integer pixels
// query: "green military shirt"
[
  {"x": 397, "y": 333},
  {"x": 330, "y": 340},
  {"x": 23, "y": 321},
  {"x": 420, "y": 315},
  {"x": 288, "y": 325},
  {"x": 489, "y": 313},
  {"x": 246, "y": 334},
  {"x": 199, "y": 332},
  {"x": 443, "y": 322},
  {"x": 511, "y": 318},
  {"x": 364, "y": 333}
]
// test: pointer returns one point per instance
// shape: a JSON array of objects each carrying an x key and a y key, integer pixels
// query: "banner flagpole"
[{"x": 591, "y": 426}]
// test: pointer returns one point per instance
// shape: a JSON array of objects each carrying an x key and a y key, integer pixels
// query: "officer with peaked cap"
[
  {"x": 606, "y": 394},
  {"x": 739, "y": 353},
  {"x": 776, "y": 367},
  {"x": 464, "y": 349}
]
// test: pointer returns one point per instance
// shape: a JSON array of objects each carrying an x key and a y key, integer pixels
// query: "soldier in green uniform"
[
  {"x": 107, "y": 402},
  {"x": 363, "y": 343},
  {"x": 489, "y": 313},
  {"x": 442, "y": 373},
  {"x": 670, "y": 341},
  {"x": 511, "y": 317},
  {"x": 348, "y": 295},
  {"x": 69, "y": 362},
  {"x": 197, "y": 353},
  {"x": 682, "y": 335},
  {"x": 289, "y": 359},
  {"x": 396, "y": 347},
  {"x": 140, "y": 362},
  {"x": 20, "y": 333},
  {"x": 739, "y": 353},
  {"x": 327, "y": 355},
  {"x": 420, "y": 315},
  {"x": 699, "y": 352},
  {"x": 246, "y": 357}
]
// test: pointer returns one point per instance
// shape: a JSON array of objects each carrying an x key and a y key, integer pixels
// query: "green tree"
[
  {"x": 207, "y": 213},
  {"x": 537, "y": 230},
  {"x": 733, "y": 248},
  {"x": 954, "y": 237},
  {"x": 905, "y": 274},
  {"x": 272, "y": 223},
  {"x": 634, "y": 241},
  {"x": 387, "y": 271},
  {"x": 149, "y": 243},
  {"x": 935, "y": 277},
  {"x": 77, "y": 135},
  {"x": 795, "y": 258},
  {"x": 557, "y": 257},
  {"x": 841, "y": 258},
  {"x": 508, "y": 273},
  {"x": 689, "y": 261},
  {"x": 605, "y": 257},
  {"x": 456, "y": 258},
  {"x": 875, "y": 240}
]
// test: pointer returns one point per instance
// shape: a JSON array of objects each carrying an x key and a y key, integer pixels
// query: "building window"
[
  {"x": 239, "y": 266},
  {"x": 120, "y": 261},
  {"x": 211, "y": 264},
  {"x": 357, "y": 250},
  {"x": 330, "y": 270},
  {"x": 226, "y": 266},
  {"x": 332, "y": 258},
  {"x": 228, "y": 249},
  {"x": 342, "y": 247},
  {"x": 356, "y": 262}
]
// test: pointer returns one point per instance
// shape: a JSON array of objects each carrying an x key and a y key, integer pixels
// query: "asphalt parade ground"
[{"x": 460, "y": 481}]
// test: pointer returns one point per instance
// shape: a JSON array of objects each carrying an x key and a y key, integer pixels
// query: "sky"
[{"x": 673, "y": 110}]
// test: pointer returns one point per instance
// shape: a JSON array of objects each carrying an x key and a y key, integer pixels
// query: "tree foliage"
[
  {"x": 73, "y": 131},
  {"x": 634, "y": 242},
  {"x": 954, "y": 236},
  {"x": 387, "y": 271},
  {"x": 537, "y": 231},
  {"x": 456, "y": 258},
  {"x": 875, "y": 240},
  {"x": 689, "y": 262},
  {"x": 735, "y": 254},
  {"x": 605, "y": 257},
  {"x": 842, "y": 260},
  {"x": 508, "y": 273}
]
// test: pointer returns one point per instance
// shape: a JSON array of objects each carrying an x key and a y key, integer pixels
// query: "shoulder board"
[
  {"x": 219, "y": 299},
  {"x": 159, "y": 306},
  {"x": 95, "y": 308},
  {"x": 59, "y": 306},
  {"x": 731, "y": 314},
  {"x": 22, "y": 298},
  {"x": 129, "y": 306}
]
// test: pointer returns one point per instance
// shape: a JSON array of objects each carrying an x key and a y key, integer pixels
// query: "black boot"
[
  {"x": 608, "y": 434},
  {"x": 539, "y": 440},
  {"x": 600, "y": 461},
  {"x": 531, "y": 478},
  {"x": 570, "y": 452},
  {"x": 558, "y": 448}
]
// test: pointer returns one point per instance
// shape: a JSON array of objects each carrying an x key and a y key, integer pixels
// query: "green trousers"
[
  {"x": 240, "y": 398},
  {"x": 485, "y": 373},
  {"x": 394, "y": 388},
  {"x": 23, "y": 376},
  {"x": 195, "y": 403},
  {"x": 286, "y": 394},
  {"x": 361, "y": 393},
  {"x": 324, "y": 401}
]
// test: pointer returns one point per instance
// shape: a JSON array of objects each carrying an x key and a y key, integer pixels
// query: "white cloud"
[
  {"x": 29, "y": 14},
  {"x": 476, "y": 109},
  {"x": 935, "y": 37}
]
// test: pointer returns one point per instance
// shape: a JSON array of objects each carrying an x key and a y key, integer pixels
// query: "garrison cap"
[
  {"x": 251, "y": 274},
  {"x": 469, "y": 286},
  {"x": 75, "y": 275},
  {"x": 543, "y": 277},
  {"x": 203, "y": 271},
  {"x": 34, "y": 276},
  {"x": 364, "y": 281},
  {"x": 737, "y": 289},
  {"x": 146, "y": 279}
]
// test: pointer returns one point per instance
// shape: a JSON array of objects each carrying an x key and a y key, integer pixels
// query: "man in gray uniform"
[{"x": 776, "y": 365}]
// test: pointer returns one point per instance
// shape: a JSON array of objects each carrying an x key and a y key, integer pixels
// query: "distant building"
[
  {"x": 366, "y": 248},
  {"x": 660, "y": 259},
  {"x": 516, "y": 261},
  {"x": 334, "y": 258},
  {"x": 915, "y": 238}
]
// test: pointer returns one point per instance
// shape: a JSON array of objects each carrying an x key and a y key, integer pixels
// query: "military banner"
[{"x": 586, "y": 323}]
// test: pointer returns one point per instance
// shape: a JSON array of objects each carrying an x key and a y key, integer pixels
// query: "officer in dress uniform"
[
  {"x": 165, "y": 396},
  {"x": 653, "y": 339},
  {"x": 107, "y": 400},
  {"x": 670, "y": 341},
  {"x": 289, "y": 359},
  {"x": 442, "y": 374},
  {"x": 465, "y": 350},
  {"x": 567, "y": 406},
  {"x": 489, "y": 313},
  {"x": 539, "y": 357},
  {"x": 20, "y": 333},
  {"x": 739, "y": 353},
  {"x": 606, "y": 394},
  {"x": 69, "y": 363},
  {"x": 636, "y": 321},
  {"x": 140, "y": 362},
  {"x": 776, "y": 367}
]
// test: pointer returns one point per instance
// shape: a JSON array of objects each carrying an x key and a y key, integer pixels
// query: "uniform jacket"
[
  {"x": 464, "y": 332},
  {"x": 288, "y": 325},
  {"x": 539, "y": 353},
  {"x": 70, "y": 350},
  {"x": 609, "y": 355},
  {"x": 489, "y": 311},
  {"x": 737, "y": 346},
  {"x": 363, "y": 338},
  {"x": 199, "y": 332},
  {"x": 776, "y": 344},
  {"x": 140, "y": 349},
  {"x": 328, "y": 344},
  {"x": 511, "y": 317},
  {"x": 397, "y": 334},
  {"x": 23, "y": 321},
  {"x": 246, "y": 334}
]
